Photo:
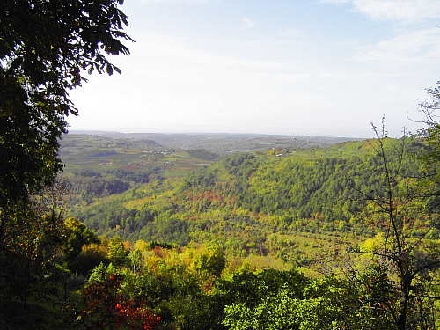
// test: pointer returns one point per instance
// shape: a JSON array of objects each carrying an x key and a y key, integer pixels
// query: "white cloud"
[
  {"x": 412, "y": 10},
  {"x": 266, "y": 85},
  {"x": 405, "y": 10},
  {"x": 247, "y": 23},
  {"x": 175, "y": 2},
  {"x": 336, "y": 2},
  {"x": 408, "y": 48},
  {"x": 175, "y": 87},
  {"x": 293, "y": 33}
]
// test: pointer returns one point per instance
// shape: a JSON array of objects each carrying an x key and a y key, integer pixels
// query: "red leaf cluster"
[{"x": 105, "y": 307}]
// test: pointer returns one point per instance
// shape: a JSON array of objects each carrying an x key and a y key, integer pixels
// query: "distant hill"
[
  {"x": 141, "y": 186},
  {"x": 222, "y": 143}
]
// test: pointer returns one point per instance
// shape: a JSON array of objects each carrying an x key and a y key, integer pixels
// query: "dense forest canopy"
[
  {"x": 139, "y": 235},
  {"x": 314, "y": 209},
  {"x": 46, "y": 50}
]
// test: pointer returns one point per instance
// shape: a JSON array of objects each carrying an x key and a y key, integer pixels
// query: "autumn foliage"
[{"x": 107, "y": 308}]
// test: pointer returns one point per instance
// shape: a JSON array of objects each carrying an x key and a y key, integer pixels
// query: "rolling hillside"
[{"x": 276, "y": 207}]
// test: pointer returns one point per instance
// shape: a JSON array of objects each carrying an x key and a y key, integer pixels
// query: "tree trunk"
[{"x": 405, "y": 285}]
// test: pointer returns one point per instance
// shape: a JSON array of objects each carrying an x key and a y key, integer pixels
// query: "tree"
[
  {"x": 33, "y": 244},
  {"x": 327, "y": 303},
  {"x": 46, "y": 49},
  {"x": 117, "y": 253},
  {"x": 431, "y": 134},
  {"x": 77, "y": 236},
  {"x": 401, "y": 208},
  {"x": 431, "y": 131},
  {"x": 107, "y": 306}
]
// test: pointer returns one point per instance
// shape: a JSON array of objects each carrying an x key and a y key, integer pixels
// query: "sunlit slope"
[{"x": 283, "y": 205}]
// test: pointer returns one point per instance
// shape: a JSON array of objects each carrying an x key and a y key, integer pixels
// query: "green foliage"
[
  {"x": 32, "y": 275},
  {"x": 90, "y": 256},
  {"x": 40, "y": 62},
  {"x": 249, "y": 288},
  {"x": 259, "y": 205},
  {"x": 107, "y": 307},
  {"x": 78, "y": 235},
  {"x": 45, "y": 49},
  {"x": 166, "y": 229},
  {"x": 327, "y": 303},
  {"x": 116, "y": 252},
  {"x": 399, "y": 207},
  {"x": 431, "y": 131},
  {"x": 210, "y": 262},
  {"x": 32, "y": 243}
]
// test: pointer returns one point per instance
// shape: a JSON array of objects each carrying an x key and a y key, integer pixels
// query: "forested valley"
[
  {"x": 287, "y": 237},
  {"x": 210, "y": 231}
]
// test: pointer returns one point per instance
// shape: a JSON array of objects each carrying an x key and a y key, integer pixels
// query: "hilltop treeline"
[
  {"x": 263, "y": 240},
  {"x": 261, "y": 203}
]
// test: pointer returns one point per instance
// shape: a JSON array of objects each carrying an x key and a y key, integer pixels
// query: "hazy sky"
[{"x": 293, "y": 67}]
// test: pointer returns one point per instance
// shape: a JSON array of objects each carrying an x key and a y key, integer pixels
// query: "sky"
[{"x": 284, "y": 67}]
